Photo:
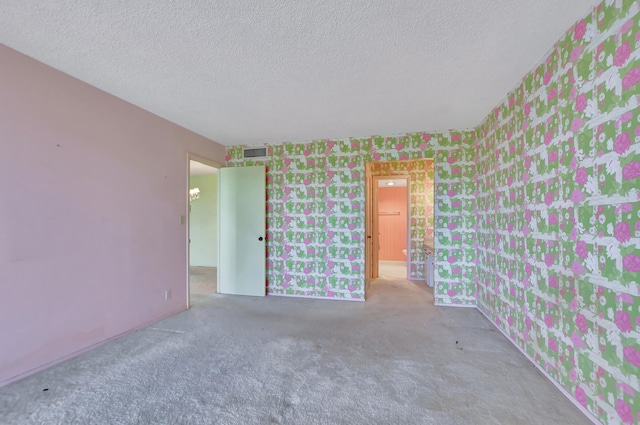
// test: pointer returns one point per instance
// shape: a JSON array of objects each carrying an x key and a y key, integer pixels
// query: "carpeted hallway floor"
[
  {"x": 202, "y": 283},
  {"x": 392, "y": 270},
  {"x": 395, "y": 359}
]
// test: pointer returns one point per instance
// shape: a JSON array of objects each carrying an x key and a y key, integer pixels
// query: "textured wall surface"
[
  {"x": 559, "y": 213},
  {"x": 315, "y": 213}
]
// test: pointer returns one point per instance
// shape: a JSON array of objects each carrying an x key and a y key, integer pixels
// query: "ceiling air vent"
[{"x": 254, "y": 153}]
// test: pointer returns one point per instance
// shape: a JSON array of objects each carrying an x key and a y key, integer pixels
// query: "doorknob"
[
  {"x": 368, "y": 237},
  {"x": 260, "y": 238}
]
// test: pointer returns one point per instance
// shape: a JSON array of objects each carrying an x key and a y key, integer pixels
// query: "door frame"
[
  {"x": 370, "y": 225},
  {"x": 371, "y": 220},
  {"x": 187, "y": 220}
]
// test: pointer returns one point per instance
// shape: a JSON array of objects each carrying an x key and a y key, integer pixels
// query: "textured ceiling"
[
  {"x": 246, "y": 71},
  {"x": 199, "y": 169}
]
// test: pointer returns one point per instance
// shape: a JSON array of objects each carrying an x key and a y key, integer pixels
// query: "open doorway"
[
  {"x": 419, "y": 175},
  {"x": 203, "y": 231},
  {"x": 393, "y": 224}
]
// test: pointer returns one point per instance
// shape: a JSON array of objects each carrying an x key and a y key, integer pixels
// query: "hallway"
[
  {"x": 395, "y": 359},
  {"x": 391, "y": 270},
  {"x": 203, "y": 282}
]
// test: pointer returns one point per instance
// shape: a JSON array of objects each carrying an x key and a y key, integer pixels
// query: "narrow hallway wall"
[{"x": 203, "y": 223}]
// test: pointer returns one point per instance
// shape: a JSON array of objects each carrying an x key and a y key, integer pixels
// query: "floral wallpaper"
[
  {"x": 537, "y": 213},
  {"x": 421, "y": 198},
  {"x": 315, "y": 213},
  {"x": 558, "y": 232}
]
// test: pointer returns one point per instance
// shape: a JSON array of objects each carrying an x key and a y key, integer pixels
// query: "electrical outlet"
[{"x": 167, "y": 294}]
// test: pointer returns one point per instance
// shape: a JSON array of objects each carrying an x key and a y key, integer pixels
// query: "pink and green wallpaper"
[
  {"x": 558, "y": 232},
  {"x": 537, "y": 213},
  {"x": 315, "y": 213}
]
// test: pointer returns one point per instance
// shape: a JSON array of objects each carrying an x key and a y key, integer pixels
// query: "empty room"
[{"x": 197, "y": 225}]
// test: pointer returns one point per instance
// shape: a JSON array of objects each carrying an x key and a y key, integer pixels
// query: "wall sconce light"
[
  {"x": 194, "y": 194},
  {"x": 390, "y": 183}
]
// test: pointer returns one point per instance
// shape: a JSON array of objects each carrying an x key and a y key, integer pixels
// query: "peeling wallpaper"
[
  {"x": 315, "y": 213},
  {"x": 558, "y": 195},
  {"x": 537, "y": 213}
]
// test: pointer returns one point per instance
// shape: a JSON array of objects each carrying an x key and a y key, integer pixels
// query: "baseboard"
[
  {"x": 315, "y": 298},
  {"x": 455, "y": 305},
  {"x": 564, "y": 392},
  {"x": 84, "y": 350}
]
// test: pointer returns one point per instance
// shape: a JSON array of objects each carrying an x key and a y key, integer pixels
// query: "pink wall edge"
[{"x": 93, "y": 190}]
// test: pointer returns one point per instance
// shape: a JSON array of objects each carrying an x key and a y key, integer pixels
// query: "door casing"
[{"x": 185, "y": 219}]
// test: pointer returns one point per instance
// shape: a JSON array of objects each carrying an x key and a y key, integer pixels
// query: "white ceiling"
[
  {"x": 249, "y": 72},
  {"x": 199, "y": 169}
]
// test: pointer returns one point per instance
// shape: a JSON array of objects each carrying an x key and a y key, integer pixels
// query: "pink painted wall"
[
  {"x": 90, "y": 237},
  {"x": 392, "y": 223}
]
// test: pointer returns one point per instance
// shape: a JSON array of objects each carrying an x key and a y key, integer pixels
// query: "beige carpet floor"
[
  {"x": 394, "y": 359},
  {"x": 392, "y": 269}
]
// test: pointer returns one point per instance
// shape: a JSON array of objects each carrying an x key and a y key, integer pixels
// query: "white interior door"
[{"x": 242, "y": 245}]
